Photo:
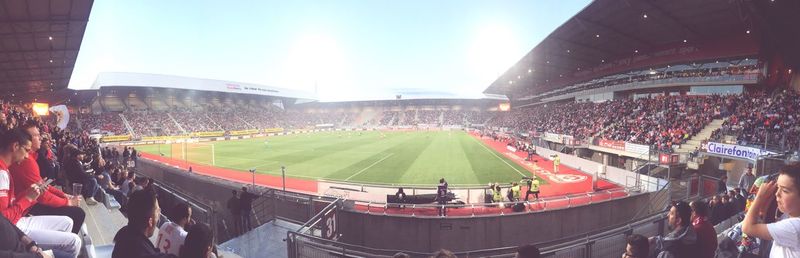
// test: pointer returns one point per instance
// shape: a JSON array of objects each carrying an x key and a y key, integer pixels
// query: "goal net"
[{"x": 194, "y": 152}]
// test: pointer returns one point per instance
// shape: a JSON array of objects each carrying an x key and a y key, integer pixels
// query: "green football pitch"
[{"x": 409, "y": 158}]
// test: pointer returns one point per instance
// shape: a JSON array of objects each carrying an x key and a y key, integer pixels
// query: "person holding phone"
[
  {"x": 786, "y": 191},
  {"x": 52, "y": 201}
]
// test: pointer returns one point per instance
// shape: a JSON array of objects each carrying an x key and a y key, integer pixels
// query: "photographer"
[{"x": 784, "y": 232}]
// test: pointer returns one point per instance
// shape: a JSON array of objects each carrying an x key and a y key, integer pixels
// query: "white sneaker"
[{"x": 91, "y": 201}]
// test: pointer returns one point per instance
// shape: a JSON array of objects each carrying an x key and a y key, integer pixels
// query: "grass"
[{"x": 362, "y": 157}]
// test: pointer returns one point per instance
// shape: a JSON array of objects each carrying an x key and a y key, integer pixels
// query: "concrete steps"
[{"x": 703, "y": 135}]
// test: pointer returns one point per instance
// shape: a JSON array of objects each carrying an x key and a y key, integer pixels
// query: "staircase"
[
  {"x": 176, "y": 123},
  {"x": 127, "y": 125},
  {"x": 703, "y": 135}
]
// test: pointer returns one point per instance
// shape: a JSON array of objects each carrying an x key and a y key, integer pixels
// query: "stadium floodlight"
[{"x": 50, "y": 38}]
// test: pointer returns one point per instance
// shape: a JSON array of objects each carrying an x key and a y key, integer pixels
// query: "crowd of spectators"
[
  {"x": 428, "y": 117},
  {"x": 387, "y": 117},
  {"x": 661, "y": 121},
  {"x": 104, "y": 122},
  {"x": 758, "y": 117},
  {"x": 409, "y": 117},
  {"x": 701, "y": 74}
]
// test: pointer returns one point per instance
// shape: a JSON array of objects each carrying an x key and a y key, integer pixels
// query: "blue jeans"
[{"x": 90, "y": 187}]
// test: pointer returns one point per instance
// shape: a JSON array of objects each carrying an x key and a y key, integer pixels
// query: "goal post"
[{"x": 195, "y": 152}]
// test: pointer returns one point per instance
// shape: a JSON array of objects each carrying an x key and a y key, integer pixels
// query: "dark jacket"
[
  {"x": 246, "y": 201},
  {"x": 233, "y": 206},
  {"x": 11, "y": 244},
  {"x": 129, "y": 243},
  {"x": 678, "y": 244},
  {"x": 75, "y": 171}
]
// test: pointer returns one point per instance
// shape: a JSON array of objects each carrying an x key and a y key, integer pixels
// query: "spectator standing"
[
  {"x": 747, "y": 179},
  {"x": 722, "y": 184},
  {"x": 441, "y": 197},
  {"x": 681, "y": 242},
  {"x": 246, "y": 205},
  {"x": 784, "y": 233},
  {"x": 233, "y": 206}
]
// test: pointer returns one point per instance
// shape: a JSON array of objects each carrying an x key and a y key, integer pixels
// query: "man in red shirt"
[
  {"x": 706, "y": 235},
  {"x": 48, "y": 232},
  {"x": 52, "y": 201}
]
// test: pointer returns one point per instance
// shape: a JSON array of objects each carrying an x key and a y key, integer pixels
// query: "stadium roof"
[
  {"x": 608, "y": 30},
  {"x": 143, "y": 80},
  {"x": 39, "y": 43}
]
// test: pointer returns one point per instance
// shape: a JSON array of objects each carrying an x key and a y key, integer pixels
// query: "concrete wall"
[
  {"x": 462, "y": 234},
  {"x": 422, "y": 234}
]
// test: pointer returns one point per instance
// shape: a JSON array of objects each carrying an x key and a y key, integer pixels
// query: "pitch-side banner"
[{"x": 736, "y": 151}]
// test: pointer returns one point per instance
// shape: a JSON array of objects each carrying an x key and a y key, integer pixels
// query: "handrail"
[
  {"x": 312, "y": 220},
  {"x": 541, "y": 202}
]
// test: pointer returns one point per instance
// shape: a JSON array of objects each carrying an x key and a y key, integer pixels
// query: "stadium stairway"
[
  {"x": 698, "y": 139},
  {"x": 265, "y": 239}
]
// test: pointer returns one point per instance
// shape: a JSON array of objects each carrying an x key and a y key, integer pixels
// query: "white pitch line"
[
  {"x": 501, "y": 159},
  {"x": 373, "y": 164}
]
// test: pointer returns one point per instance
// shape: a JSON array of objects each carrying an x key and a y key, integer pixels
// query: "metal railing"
[{"x": 487, "y": 209}]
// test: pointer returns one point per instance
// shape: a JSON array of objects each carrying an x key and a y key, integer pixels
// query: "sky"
[{"x": 341, "y": 50}]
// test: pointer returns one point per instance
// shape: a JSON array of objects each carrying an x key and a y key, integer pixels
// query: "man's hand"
[
  {"x": 73, "y": 201},
  {"x": 33, "y": 192},
  {"x": 46, "y": 254}
]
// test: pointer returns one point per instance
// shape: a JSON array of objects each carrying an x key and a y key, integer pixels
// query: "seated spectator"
[
  {"x": 52, "y": 232},
  {"x": 682, "y": 240},
  {"x": 52, "y": 201},
  {"x": 528, "y": 251},
  {"x": 172, "y": 234},
  {"x": 78, "y": 173},
  {"x": 14, "y": 243},
  {"x": 199, "y": 243},
  {"x": 637, "y": 247},
  {"x": 107, "y": 184},
  {"x": 132, "y": 240},
  {"x": 706, "y": 235},
  {"x": 784, "y": 233}
]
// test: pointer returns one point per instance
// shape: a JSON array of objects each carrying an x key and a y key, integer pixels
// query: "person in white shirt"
[
  {"x": 171, "y": 235},
  {"x": 784, "y": 233}
]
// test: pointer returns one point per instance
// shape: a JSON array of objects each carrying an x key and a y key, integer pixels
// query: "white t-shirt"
[
  {"x": 170, "y": 238},
  {"x": 786, "y": 237}
]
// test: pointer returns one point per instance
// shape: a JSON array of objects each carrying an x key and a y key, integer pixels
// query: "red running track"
[{"x": 554, "y": 195}]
